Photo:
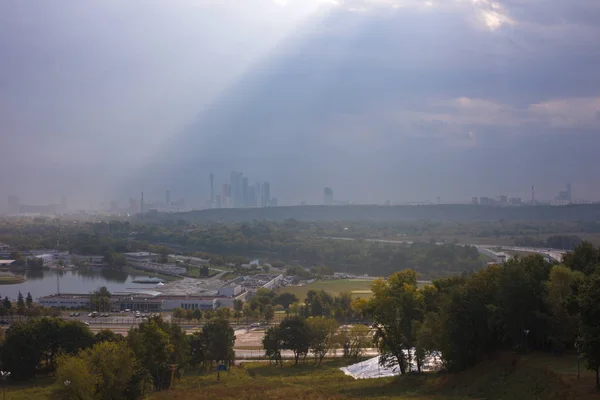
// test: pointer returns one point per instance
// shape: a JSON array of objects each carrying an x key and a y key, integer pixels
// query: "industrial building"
[{"x": 145, "y": 301}]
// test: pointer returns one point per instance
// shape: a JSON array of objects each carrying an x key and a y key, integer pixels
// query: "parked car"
[{"x": 4, "y": 322}]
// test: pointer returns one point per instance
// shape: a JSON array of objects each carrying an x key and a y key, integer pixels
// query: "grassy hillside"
[{"x": 508, "y": 377}]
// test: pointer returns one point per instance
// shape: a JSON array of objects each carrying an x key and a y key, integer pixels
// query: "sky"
[{"x": 400, "y": 100}]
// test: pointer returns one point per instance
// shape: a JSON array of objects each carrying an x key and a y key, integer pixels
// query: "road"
[
  {"x": 241, "y": 354},
  {"x": 554, "y": 254}
]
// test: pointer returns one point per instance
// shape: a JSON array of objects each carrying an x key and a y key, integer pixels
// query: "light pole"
[
  {"x": 526, "y": 331},
  {"x": 4, "y": 375}
]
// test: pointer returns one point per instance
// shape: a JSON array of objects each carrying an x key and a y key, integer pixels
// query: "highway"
[{"x": 554, "y": 254}]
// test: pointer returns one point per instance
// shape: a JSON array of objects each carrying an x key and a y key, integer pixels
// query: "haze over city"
[{"x": 379, "y": 100}]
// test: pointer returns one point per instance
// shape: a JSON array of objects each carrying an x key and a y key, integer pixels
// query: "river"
[{"x": 44, "y": 282}]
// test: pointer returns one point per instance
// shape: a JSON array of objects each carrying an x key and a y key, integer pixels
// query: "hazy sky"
[{"x": 379, "y": 99}]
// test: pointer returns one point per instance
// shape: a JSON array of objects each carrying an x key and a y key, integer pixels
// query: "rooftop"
[{"x": 141, "y": 254}]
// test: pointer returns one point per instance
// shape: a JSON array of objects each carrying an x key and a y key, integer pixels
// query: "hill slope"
[{"x": 507, "y": 377}]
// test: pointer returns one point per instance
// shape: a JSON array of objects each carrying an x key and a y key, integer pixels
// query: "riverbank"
[{"x": 8, "y": 279}]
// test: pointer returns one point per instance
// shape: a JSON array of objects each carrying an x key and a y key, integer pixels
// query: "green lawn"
[{"x": 358, "y": 287}]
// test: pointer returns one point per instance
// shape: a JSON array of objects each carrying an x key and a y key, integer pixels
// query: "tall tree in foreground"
[
  {"x": 397, "y": 304},
  {"x": 589, "y": 303},
  {"x": 322, "y": 331},
  {"x": 220, "y": 339},
  {"x": 295, "y": 336},
  {"x": 272, "y": 344},
  {"x": 106, "y": 371}
]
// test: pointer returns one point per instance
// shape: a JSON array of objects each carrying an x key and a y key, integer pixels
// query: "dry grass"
[{"x": 507, "y": 377}]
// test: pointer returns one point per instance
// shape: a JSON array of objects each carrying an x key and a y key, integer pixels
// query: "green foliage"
[
  {"x": 589, "y": 302},
  {"x": 397, "y": 304},
  {"x": 156, "y": 344},
  {"x": 285, "y": 299},
  {"x": 273, "y": 344},
  {"x": 295, "y": 336},
  {"x": 37, "y": 343},
  {"x": 322, "y": 331},
  {"x": 106, "y": 371}
]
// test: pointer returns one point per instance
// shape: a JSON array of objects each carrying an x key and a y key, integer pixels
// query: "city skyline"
[
  {"x": 238, "y": 192},
  {"x": 481, "y": 100}
]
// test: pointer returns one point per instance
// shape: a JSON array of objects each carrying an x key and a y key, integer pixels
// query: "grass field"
[
  {"x": 9, "y": 279},
  {"x": 506, "y": 378},
  {"x": 358, "y": 287}
]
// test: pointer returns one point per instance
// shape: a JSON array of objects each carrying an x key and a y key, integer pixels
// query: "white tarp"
[{"x": 370, "y": 368}]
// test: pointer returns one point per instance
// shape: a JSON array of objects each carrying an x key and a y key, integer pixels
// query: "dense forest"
[
  {"x": 443, "y": 212},
  {"x": 290, "y": 242},
  {"x": 526, "y": 304}
]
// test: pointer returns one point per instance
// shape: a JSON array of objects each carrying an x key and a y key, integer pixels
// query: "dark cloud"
[{"x": 453, "y": 99}]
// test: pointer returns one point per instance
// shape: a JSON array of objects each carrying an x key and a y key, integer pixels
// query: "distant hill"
[{"x": 450, "y": 212}]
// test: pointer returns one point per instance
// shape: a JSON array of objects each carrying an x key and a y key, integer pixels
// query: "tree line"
[
  {"x": 525, "y": 304},
  {"x": 314, "y": 335},
  {"x": 107, "y": 365}
]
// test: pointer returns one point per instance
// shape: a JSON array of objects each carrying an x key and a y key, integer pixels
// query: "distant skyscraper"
[
  {"x": 142, "y": 203},
  {"x": 167, "y": 198},
  {"x": 235, "y": 182},
  {"x": 328, "y": 196},
  {"x": 245, "y": 193},
  {"x": 265, "y": 194},
  {"x": 212, "y": 189}
]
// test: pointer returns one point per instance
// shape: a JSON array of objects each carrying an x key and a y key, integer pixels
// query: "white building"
[
  {"x": 188, "y": 302},
  {"x": 65, "y": 301},
  {"x": 230, "y": 290}
]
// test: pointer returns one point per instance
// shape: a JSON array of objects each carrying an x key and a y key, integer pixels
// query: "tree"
[
  {"x": 106, "y": 371},
  {"x": 268, "y": 313},
  {"x": 189, "y": 315},
  {"x": 220, "y": 340},
  {"x": 197, "y": 346},
  {"x": 295, "y": 336},
  {"x": 272, "y": 343},
  {"x": 29, "y": 343},
  {"x": 321, "y": 331},
  {"x": 106, "y": 335},
  {"x": 29, "y": 300},
  {"x": 396, "y": 305},
  {"x": 589, "y": 303},
  {"x": 152, "y": 347},
  {"x": 6, "y": 303},
  {"x": 197, "y": 314},
  {"x": 100, "y": 299},
  {"x": 178, "y": 313},
  {"x": 238, "y": 305},
  {"x": 20, "y": 304},
  {"x": 285, "y": 299},
  {"x": 561, "y": 303},
  {"x": 354, "y": 340},
  {"x": 74, "y": 380}
]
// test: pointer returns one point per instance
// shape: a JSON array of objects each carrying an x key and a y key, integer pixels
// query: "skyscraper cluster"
[
  {"x": 328, "y": 196},
  {"x": 240, "y": 193}
]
